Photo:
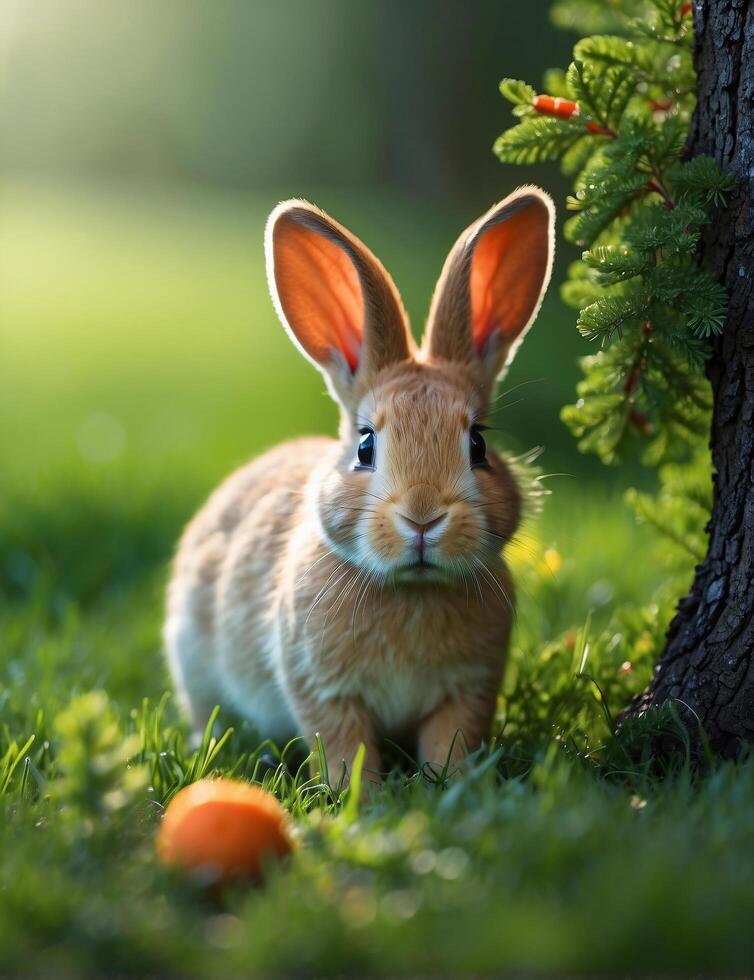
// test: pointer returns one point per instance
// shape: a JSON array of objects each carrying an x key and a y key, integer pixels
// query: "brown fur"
[{"x": 303, "y": 594}]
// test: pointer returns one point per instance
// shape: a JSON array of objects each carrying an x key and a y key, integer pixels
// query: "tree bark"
[{"x": 708, "y": 662}]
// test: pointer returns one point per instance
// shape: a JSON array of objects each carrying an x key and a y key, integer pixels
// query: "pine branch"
[{"x": 617, "y": 120}]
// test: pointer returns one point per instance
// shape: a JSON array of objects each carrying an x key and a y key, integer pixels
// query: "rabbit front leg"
[
  {"x": 343, "y": 724},
  {"x": 456, "y": 726}
]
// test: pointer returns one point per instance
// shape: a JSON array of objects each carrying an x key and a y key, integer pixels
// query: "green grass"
[{"x": 141, "y": 361}]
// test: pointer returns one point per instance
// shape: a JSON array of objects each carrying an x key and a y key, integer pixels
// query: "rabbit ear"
[
  {"x": 333, "y": 297},
  {"x": 492, "y": 283}
]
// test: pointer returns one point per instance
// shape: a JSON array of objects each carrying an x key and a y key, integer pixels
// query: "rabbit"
[{"x": 354, "y": 587}]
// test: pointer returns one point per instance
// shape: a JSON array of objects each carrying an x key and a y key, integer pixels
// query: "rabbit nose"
[
  {"x": 421, "y": 527},
  {"x": 419, "y": 530}
]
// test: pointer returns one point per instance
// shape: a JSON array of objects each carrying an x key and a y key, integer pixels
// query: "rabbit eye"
[
  {"x": 478, "y": 451},
  {"x": 365, "y": 451}
]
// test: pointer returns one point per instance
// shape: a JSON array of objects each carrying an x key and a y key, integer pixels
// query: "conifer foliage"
[{"x": 617, "y": 120}]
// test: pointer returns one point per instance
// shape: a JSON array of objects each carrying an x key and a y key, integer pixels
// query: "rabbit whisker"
[
  {"x": 474, "y": 579},
  {"x": 326, "y": 587},
  {"x": 509, "y": 391},
  {"x": 371, "y": 577},
  {"x": 463, "y": 569},
  {"x": 494, "y": 534},
  {"x": 494, "y": 582},
  {"x": 327, "y": 554},
  {"x": 346, "y": 591}
]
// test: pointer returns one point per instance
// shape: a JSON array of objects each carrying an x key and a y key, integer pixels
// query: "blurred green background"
[{"x": 142, "y": 146}]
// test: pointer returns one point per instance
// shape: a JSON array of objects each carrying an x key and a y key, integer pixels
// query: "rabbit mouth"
[
  {"x": 419, "y": 564},
  {"x": 422, "y": 563},
  {"x": 420, "y": 570}
]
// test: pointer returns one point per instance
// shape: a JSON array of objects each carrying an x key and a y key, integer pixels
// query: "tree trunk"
[{"x": 708, "y": 662}]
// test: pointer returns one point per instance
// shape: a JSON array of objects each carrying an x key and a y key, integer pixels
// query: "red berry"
[{"x": 549, "y": 106}]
